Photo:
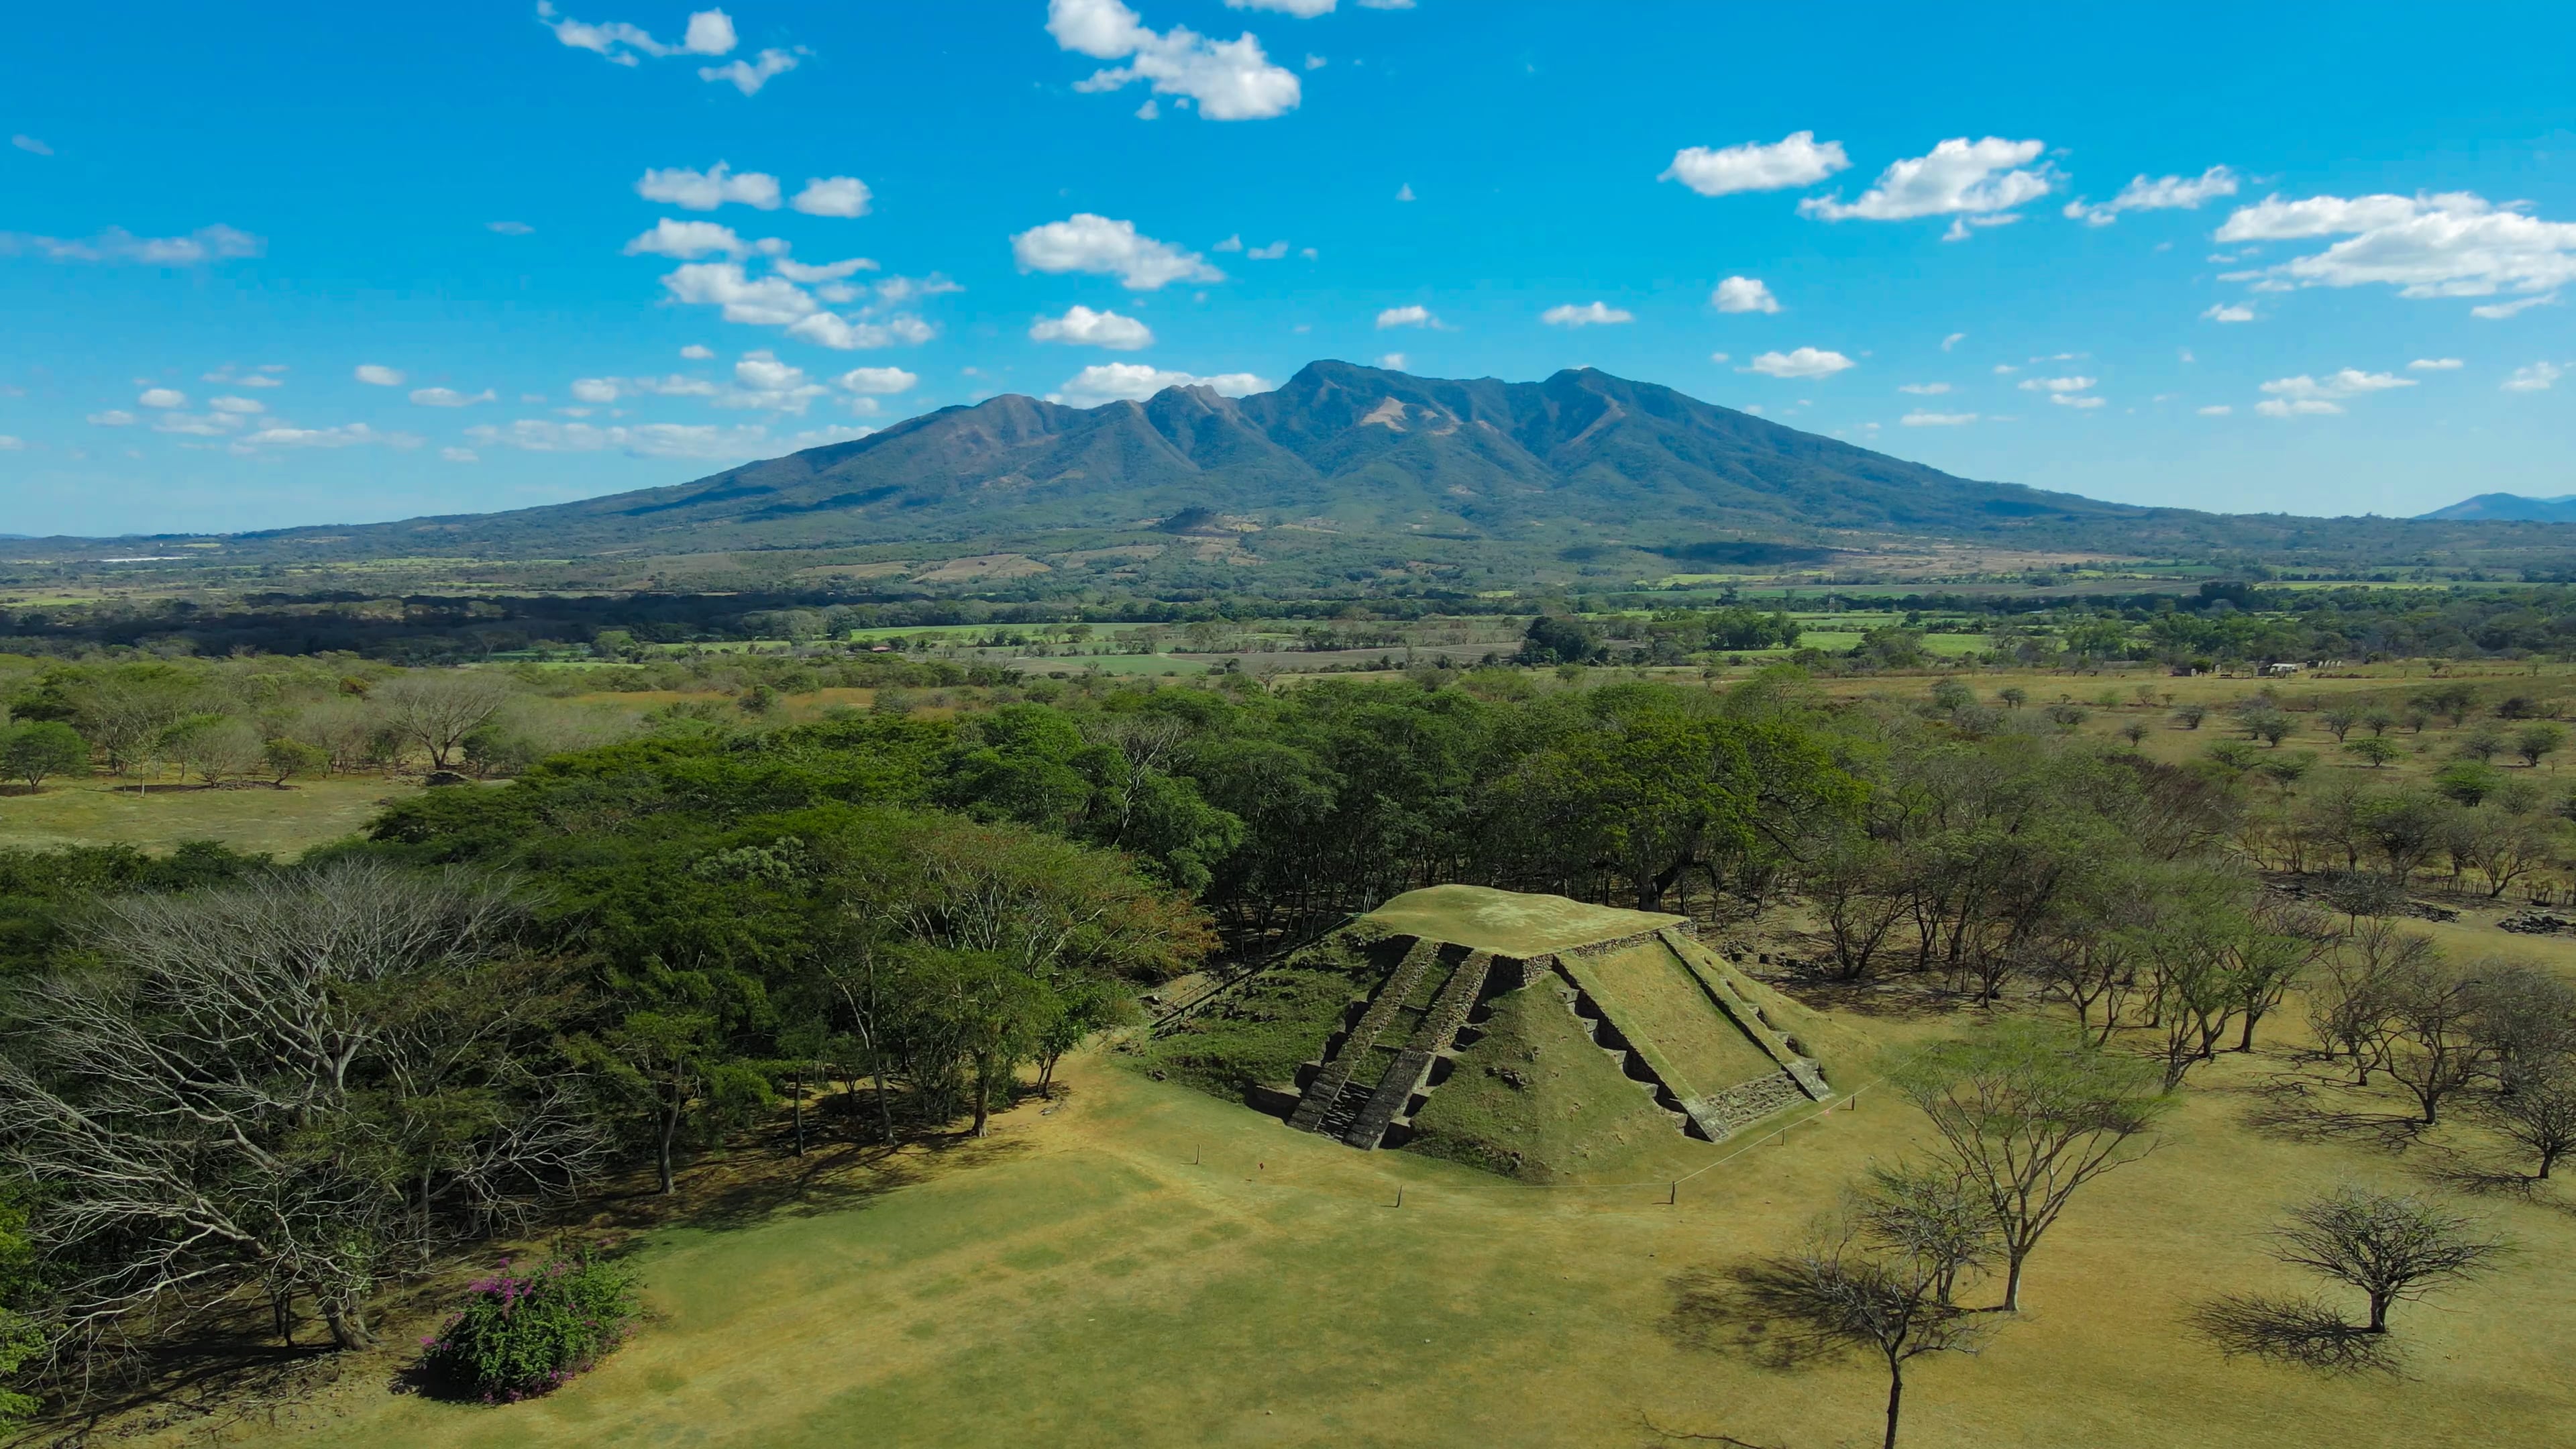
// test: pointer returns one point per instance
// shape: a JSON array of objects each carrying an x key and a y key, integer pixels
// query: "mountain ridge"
[
  {"x": 1370, "y": 449},
  {"x": 2505, "y": 508}
]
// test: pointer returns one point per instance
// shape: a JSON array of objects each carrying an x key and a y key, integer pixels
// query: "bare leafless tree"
[
  {"x": 2436, "y": 1047},
  {"x": 2353, "y": 1001},
  {"x": 2393, "y": 1247},
  {"x": 275, "y": 1086},
  {"x": 436, "y": 709},
  {"x": 2540, "y": 1114}
]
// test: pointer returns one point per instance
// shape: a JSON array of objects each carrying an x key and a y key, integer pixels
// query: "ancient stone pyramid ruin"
[{"x": 1529, "y": 1034}]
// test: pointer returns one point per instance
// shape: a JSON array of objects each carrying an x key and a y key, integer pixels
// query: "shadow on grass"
[
  {"x": 1741, "y": 1312},
  {"x": 2302, "y": 1110},
  {"x": 2301, "y": 1331},
  {"x": 1686, "y": 1436},
  {"x": 1877, "y": 1000}
]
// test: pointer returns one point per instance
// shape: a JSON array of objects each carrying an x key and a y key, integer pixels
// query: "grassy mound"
[{"x": 1534, "y": 1099}]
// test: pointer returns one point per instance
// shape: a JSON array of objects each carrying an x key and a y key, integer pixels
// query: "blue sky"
[{"x": 301, "y": 264}]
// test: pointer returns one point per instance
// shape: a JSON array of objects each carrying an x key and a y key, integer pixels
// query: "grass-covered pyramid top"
[{"x": 1533, "y": 1035}]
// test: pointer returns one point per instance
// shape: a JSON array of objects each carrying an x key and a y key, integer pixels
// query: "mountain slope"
[
  {"x": 2509, "y": 507},
  {"x": 1355, "y": 449}
]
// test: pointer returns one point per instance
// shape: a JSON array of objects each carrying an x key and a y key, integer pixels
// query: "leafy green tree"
[
  {"x": 285, "y": 759},
  {"x": 2191, "y": 715},
  {"x": 35, "y": 752},
  {"x": 2374, "y": 749},
  {"x": 2533, "y": 742},
  {"x": 2467, "y": 781},
  {"x": 2028, "y": 1115}
]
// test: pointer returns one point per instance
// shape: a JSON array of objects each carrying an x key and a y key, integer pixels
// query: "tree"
[
  {"x": 436, "y": 709},
  {"x": 1879, "y": 1284},
  {"x": 2013, "y": 696},
  {"x": 2394, "y": 1248},
  {"x": 2191, "y": 715},
  {"x": 2374, "y": 749},
  {"x": 2354, "y": 1002},
  {"x": 2270, "y": 726},
  {"x": 2467, "y": 781},
  {"x": 2482, "y": 744},
  {"x": 212, "y": 745},
  {"x": 2540, "y": 1113},
  {"x": 220, "y": 1089},
  {"x": 287, "y": 758},
  {"x": 2135, "y": 732},
  {"x": 2436, "y": 1048},
  {"x": 2029, "y": 1114},
  {"x": 2533, "y": 741},
  {"x": 33, "y": 752},
  {"x": 2452, "y": 701},
  {"x": 2339, "y": 720}
]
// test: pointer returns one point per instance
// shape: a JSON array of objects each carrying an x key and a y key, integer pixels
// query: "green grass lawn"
[
  {"x": 282, "y": 822},
  {"x": 1079, "y": 1280}
]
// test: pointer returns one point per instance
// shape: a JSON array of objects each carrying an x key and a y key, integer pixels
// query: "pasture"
[{"x": 1080, "y": 1279}]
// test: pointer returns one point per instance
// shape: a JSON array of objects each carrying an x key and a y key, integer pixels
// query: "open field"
[
  {"x": 1084, "y": 1282},
  {"x": 284, "y": 822}
]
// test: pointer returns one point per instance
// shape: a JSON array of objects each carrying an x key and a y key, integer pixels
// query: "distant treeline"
[{"x": 2221, "y": 620}]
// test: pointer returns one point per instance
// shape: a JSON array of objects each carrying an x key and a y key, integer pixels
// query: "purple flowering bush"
[{"x": 522, "y": 1334}]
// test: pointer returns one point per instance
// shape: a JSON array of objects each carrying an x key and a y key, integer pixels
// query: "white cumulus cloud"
[
  {"x": 1803, "y": 362},
  {"x": 460, "y": 455},
  {"x": 1924, "y": 389},
  {"x": 687, "y": 241},
  {"x": 112, "y": 418},
  {"x": 2162, "y": 193},
  {"x": 832, "y": 196},
  {"x": 710, "y": 32},
  {"x": 748, "y": 76},
  {"x": 377, "y": 375},
  {"x": 1921, "y": 419},
  {"x": 1970, "y": 179},
  {"x": 116, "y": 244},
  {"x": 695, "y": 352},
  {"x": 1794, "y": 160},
  {"x": 163, "y": 397},
  {"x": 2056, "y": 384},
  {"x": 1109, "y": 382},
  {"x": 796, "y": 271},
  {"x": 242, "y": 406},
  {"x": 2216, "y": 410},
  {"x": 1411, "y": 315},
  {"x": 2435, "y": 364},
  {"x": 878, "y": 380},
  {"x": 2449, "y": 244},
  {"x": 2498, "y": 311},
  {"x": 760, "y": 380},
  {"x": 1087, "y": 242},
  {"x": 1095, "y": 329},
  {"x": 1743, "y": 294},
  {"x": 1590, "y": 314},
  {"x": 1229, "y": 80},
  {"x": 2228, "y": 312},
  {"x": 2304, "y": 395},
  {"x": 1302, "y": 9},
  {"x": 706, "y": 190},
  {"x": 2534, "y": 378}
]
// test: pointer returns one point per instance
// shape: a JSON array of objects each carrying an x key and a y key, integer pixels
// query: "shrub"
[{"x": 521, "y": 1335}]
